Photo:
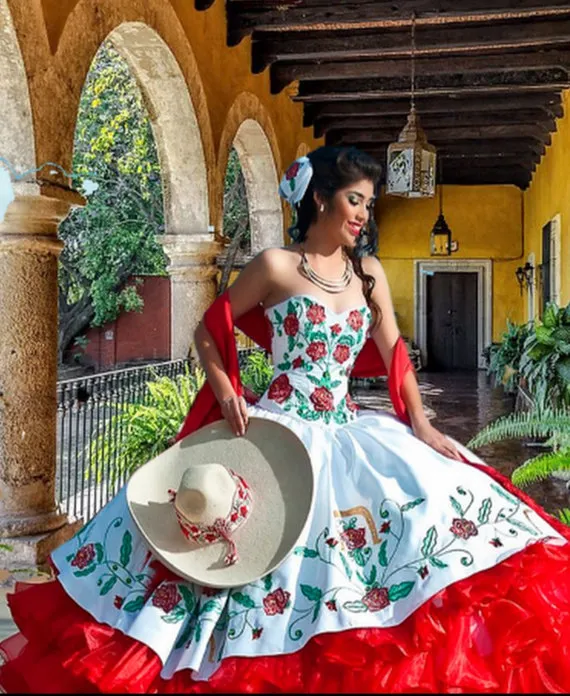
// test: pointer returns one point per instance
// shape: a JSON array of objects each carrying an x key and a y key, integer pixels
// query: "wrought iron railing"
[{"x": 85, "y": 410}]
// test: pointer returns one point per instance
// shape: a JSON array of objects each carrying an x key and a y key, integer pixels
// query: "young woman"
[{"x": 417, "y": 571}]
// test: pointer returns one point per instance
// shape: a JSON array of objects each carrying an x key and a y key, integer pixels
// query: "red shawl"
[{"x": 219, "y": 322}]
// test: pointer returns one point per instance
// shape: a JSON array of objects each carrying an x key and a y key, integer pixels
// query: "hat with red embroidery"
[{"x": 222, "y": 510}]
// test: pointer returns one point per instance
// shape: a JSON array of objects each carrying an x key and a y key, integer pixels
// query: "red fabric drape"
[{"x": 219, "y": 322}]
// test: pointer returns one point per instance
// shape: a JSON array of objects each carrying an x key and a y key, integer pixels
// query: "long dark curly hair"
[{"x": 336, "y": 168}]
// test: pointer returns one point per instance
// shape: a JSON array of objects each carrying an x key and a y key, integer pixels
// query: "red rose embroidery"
[
  {"x": 291, "y": 325},
  {"x": 280, "y": 389},
  {"x": 355, "y": 320},
  {"x": 293, "y": 170},
  {"x": 354, "y": 538},
  {"x": 166, "y": 598},
  {"x": 331, "y": 605},
  {"x": 275, "y": 602},
  {"x": 385, "y": 528},
  {"x": 118, "y": 601},
  {"x": 350, "y": 403},
  {"x": 298, "y": 362},
  {"x": 316, "y": 350},
  {"x": 341, "y": 353},
  {"x": 256, "y": 633},
  {"x": 84, "y": 556},
  {"x": 423, "y": 572},
  {"x": 376, "y": 599},
  {"x": 463, "y": 528},
  {"x": 332, "y": 542},
  {"x": 336, "y": 329},
  {"x": 322, "y": 399},
  {"x": 316, "y": 314}
]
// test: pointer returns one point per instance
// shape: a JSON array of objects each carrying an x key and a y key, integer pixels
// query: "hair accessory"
[{"x": 296, "y": 180}]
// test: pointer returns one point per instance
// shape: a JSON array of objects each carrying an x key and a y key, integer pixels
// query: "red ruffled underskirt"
[{"x": 503, "y": 630}]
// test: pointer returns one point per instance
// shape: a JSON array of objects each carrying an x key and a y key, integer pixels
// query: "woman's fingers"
[
  {"x": 243, "y": 411},
  {"x": 232, "y": 412}
]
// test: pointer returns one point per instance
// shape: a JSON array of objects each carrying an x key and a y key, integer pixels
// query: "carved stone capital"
[{"x": 192, "y": 257}]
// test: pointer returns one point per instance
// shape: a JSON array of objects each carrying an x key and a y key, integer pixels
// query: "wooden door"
[
  {"x": 452, "y": 321},
  {"x": 546, "y": 269}
]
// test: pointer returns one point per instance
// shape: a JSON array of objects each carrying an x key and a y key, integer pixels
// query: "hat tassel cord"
[{"x": 221, "y": 526}]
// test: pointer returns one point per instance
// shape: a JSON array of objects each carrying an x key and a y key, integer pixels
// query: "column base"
[{"x": 32, "y": 551}]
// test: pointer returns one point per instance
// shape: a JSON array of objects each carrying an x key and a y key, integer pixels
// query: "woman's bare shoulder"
[{"x": 372, "y": 266}]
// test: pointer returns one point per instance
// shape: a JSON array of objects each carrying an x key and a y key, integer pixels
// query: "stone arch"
[
  {"x": 249, "y": 129},
  {"x": 17, "y": 144},
  {"x": 150, "y": 38}
]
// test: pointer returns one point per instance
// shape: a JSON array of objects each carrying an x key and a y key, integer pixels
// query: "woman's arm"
[
  {"x": 249, "y": 289},
  {"x": 385, "y": 336}
]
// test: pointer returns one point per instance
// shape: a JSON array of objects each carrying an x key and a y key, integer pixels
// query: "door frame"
[{"x": 484, "y": 270}]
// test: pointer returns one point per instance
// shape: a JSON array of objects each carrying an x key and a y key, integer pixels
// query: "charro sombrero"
[{"x": 223, "y": 510}]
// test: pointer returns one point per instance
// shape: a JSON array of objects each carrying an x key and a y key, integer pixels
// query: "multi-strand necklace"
[{"x": 327, "y": 285}]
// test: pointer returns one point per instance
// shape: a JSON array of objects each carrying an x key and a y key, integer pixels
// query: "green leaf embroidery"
[
  {"x": 290, "y": 307},
  {"x": 505, "y": 495},
  {"x": 382, "y": 554},
  {"x": 437, "y": 563},
  {"x": 99, "y": 551},
  {"x": 175, "y": 616},
  {"x": 86, "y": 571},
  {"x": 108, "y": 586},
  {"x": 359, "y": 557},
  {"x": 456, "y": 506},
  {"x": 372, "y": 578},
  {"x": 306, "y": 552},
  {"x": 198, "y": 632},
  {"x": 291, "y": 342},
  {"x": 292, "y": 184},
  {"x": 135, "y": 604},
  {"x": 485, "y": 511},
  {"x": 316, "y": 611},
  {"x": 401, "y": 590},
  {"x": 384, "y": 514},
  {"x": 284, "y": 366},
  {"x": 188, "y": 597},
  {"x": 278, "y": 317},
  {"x": 70, "y": 557},
  {"x": 243, "y": 599},
  {"x": 429, "y": 541},
  {"x": 185, "y": 636},
  {"x": 522, "y": 527},
  {"x": 313, "y": 594},
  {"x": 346, "y": 341},
  {"x": 268, "y": 582},
  {"x": 209, "y": 606},
  {"x": 412, "y": 504},
  {"x": 356, "y": 606},
  {"x": 126, "y": 548}
]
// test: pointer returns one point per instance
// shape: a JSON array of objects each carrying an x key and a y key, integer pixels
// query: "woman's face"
[{"x": 349, "y": 211}]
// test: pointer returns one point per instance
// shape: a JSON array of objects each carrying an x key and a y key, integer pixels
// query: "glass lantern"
[{"x": 411, "y": 167}]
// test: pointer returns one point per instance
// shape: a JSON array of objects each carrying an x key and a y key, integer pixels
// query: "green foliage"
[
  {"x": 137, "y": 432},
  {"x": 503, "y": 359},
  {"x": 236, "y": 211},
  {"x": 257, "y": 373},
  {"x": 551, "y": 425},
  {"x": 545, "y": 363},
  {"x": 114, "y": 235}
]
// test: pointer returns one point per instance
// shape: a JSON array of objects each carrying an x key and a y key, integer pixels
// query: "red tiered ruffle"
[{"x": 506, "y": 629}]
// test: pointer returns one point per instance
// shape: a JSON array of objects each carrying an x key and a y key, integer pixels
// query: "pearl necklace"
[{"x": 325, "y": 284}]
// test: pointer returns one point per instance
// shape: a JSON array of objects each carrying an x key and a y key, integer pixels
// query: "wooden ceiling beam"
[
  {"x": 282, "y": 74},
  {"x": 431, "y": 40},
  {"x": 518, "y": 130},
  {"x": 549, "y": 104},
  {"x": 246, "y": 17},
  {"x": 471, "y": 147},
  {"x": 449, "y": 120},
  {"x": 524, "y": 159}
]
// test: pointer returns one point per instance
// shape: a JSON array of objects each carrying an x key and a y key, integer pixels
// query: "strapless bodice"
[{"x": 314, "y": 349}]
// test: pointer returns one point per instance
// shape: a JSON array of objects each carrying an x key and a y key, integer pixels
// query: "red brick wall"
[{"x": 135, "y": 336}]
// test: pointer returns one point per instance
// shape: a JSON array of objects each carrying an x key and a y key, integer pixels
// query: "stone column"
[
  {"x": 193, "y": 273},
  {"x": 29, "y": 249}
]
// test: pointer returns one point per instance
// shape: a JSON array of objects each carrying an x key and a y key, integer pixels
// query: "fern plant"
[
  {"x": 503, "y": 358},
  {"x": 553, "y": 425},
  {"x": 257, "y": 373},
  {"x": 137, "y": 432}
]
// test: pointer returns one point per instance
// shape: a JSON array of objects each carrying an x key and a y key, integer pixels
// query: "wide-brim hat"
[{"x": 276, "y": 466}]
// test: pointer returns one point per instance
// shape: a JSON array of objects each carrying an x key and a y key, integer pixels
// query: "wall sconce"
[{"x": 525, "y": 276}]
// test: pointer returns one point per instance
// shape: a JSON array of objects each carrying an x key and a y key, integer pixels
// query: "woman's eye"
[{"x": 353, "y": 201}]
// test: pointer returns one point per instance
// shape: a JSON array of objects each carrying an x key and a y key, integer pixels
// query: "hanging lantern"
[
  {"x": 441, "y": 243},
  {"x": 411, "y": 165}
]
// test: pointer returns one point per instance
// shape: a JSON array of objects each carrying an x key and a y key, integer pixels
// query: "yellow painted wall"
[
  {"x": 549, "y": 195},
  {"x": 487, "y": 223}
]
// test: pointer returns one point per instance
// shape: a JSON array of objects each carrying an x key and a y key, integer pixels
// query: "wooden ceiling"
[{"x": 489, "y": 74}]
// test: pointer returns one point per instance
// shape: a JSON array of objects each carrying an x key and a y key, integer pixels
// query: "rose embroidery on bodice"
[{"x": 314, "y": 349}]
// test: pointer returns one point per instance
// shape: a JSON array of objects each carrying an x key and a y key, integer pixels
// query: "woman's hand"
[
  {"x": 234, "y": 410},
  {"x": 425, "y": 432}
]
